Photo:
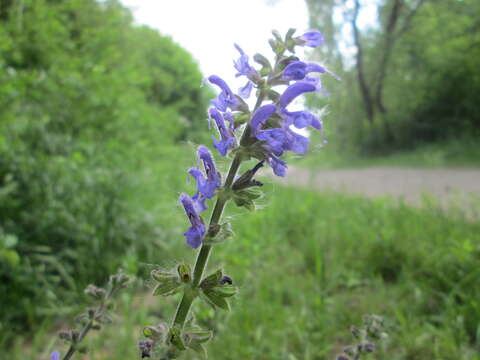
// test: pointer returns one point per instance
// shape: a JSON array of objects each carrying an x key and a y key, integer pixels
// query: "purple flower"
[
  {"x": 55, "y": 355},
  {"x": 242, "y": 65},
  {"x": 297, "y": 70},
  {"x": 199, "y": 202},
  {"x": 302, "y": 119},
  {"x": 279, "y": 166},
  {"x": 296, "y": 142},
  {"x": 206, "y": 186},
  {"x": 226, "y": 134},
  {"x": 294, "y": 91},
  {"x": 246, "y": 90},
  {"x": 260, "y": 116},
  {"x": 312, "y": 38},
  {"x": 226, "y": 98},
  {"x": 275, "y": 138},
  {"x": 196, "y": 232}
]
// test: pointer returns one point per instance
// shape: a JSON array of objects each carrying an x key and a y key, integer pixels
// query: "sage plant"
[
  {"x": 94, "y": 317},
  {"x": 366, "y": 338},
  {"x": 262, "y": 134}
]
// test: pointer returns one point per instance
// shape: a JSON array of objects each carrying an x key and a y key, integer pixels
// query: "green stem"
[
  {"x": 204, "y": 253},
  {"x": 88, "y": 326}
]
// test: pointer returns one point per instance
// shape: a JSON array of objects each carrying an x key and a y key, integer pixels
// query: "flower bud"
[
  {"x": 146, "y": 347},
  {"x": 211, "y": 280},
  {"x": 157, "y": 332},
  {"x": 355, "y": 331},
  {"x": 226, "y": 280},
  {"x": 95, "y": 292},
  {"x": 368, "y": 347},
  {"x": 175, "y": 338},
  {"x": 184, "y": 273}
]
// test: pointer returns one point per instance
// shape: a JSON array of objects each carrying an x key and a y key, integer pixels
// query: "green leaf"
[
  {"x": 289, "y": 34},
  {"x": 175, "y": 339},
  {"x": 161, "y": 275},
  {"x": 199, "y": 349},
  {"x": 252, "y": 194},
  {"x": 10, "y": 256},
  {"x": 9, "y": 241},
  {"x": 223, "y": 233},
  {"x": 167, "y": 287},
  {"x": 244, "y": 201},
  {"x": 226, "y": 290},
  {"x": 212, "y": 280},
  {"x": 262, "y": 60},
  {"x": 184, "y": 273},
  {"x": 216, "y": 299},
  {"x": 198, "y": 335}
]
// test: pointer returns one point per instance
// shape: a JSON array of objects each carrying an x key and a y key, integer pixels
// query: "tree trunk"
[{"x": 365, "y": 90}]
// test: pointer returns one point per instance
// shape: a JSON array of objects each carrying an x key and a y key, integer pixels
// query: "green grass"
[
  {"x": 459, "y": 153},
  {"x": 310, "y": 265}
]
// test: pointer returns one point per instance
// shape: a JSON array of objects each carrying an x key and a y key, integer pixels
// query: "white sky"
[{"x": 208, "y": 28}]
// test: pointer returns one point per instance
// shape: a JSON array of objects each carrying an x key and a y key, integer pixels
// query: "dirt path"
[{"x": 450, "y": 186}]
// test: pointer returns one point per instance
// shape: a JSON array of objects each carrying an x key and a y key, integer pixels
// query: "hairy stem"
[
  {"x": 204, "y": 253},
  {"x": 88, "y": 326}
]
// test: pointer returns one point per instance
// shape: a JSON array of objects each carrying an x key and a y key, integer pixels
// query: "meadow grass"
[
  {"x": 309, "y": 265},
  {"x": 455, "y": 153}
]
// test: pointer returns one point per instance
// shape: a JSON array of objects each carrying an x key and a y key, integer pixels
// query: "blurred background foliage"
[
  {"x": 84, "y": 97},
  {"x": 408, "y": 80},
  {"x": 98, "y": 117}
]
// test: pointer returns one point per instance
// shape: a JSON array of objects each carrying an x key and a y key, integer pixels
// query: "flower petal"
[
  {"x": 293, "y": 91},
  {"x": 246, "y": 90},
  {"x": 260, "y": 116}
]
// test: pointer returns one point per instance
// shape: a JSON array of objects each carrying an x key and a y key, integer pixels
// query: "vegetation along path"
[{"x": 451, "y": 187}]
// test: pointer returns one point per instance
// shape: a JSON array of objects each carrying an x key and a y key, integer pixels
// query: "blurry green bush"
[{"x": 84, "y": 96}]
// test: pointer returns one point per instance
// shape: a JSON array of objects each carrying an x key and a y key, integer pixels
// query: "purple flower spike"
[
  {"x": 196, "y": 232},
  {"x": 55, "y": 355},
  {"x": 312, "y": 38},
  {"x": 242, "y": 65},
  {"x": 226, "y": 134},
  {"x": 297, "y": 70},
  {"x": 260, "y": 116},
  {"x": 294, "y": 91},
  {"x": 226, "y": 98}
]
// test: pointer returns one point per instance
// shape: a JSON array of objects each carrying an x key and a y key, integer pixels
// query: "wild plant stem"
[
  {"x": 88, "y": 326},
  {"x": 204, "y": 253}
]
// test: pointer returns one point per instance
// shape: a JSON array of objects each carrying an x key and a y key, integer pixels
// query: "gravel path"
[{"x": 451, "y": 186}]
